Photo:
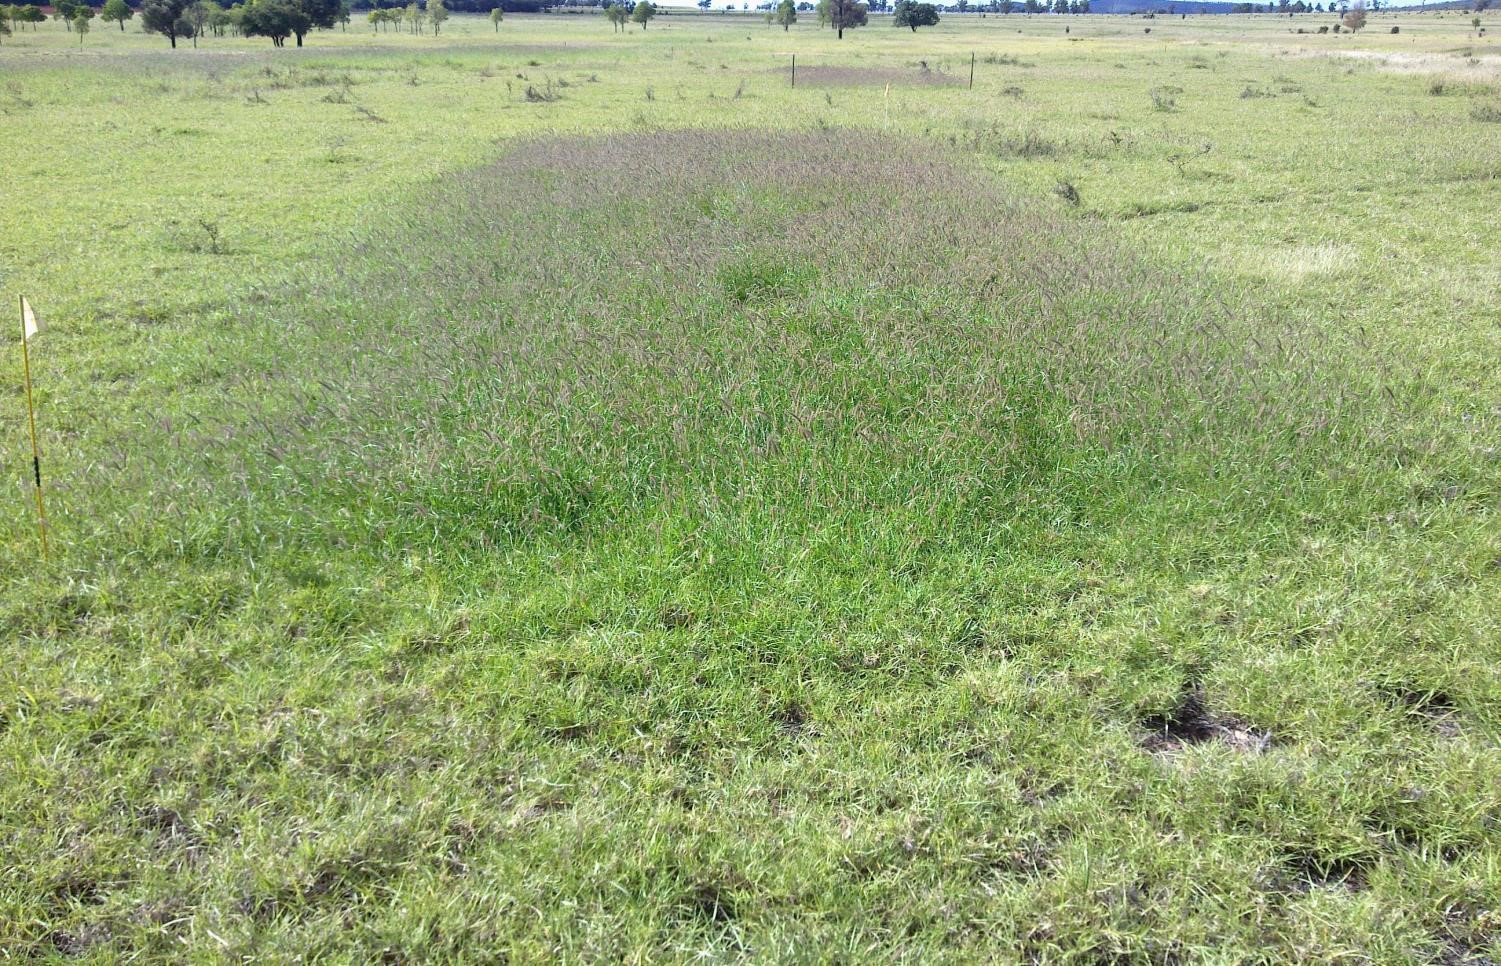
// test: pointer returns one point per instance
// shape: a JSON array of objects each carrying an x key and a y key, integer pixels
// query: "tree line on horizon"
[
  {"x": 280, "y": 20},
  {"x": 276, "y": 20}
]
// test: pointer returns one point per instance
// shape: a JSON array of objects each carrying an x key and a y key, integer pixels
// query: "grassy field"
[{"x": 564, "y": 494}]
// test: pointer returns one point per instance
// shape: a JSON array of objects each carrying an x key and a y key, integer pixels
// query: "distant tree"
[
  {"x": 496, "y": 16},
  {"x": 117, "y": 11},
  {"x": 1031, "y": 6},
  {"x": 164, "y": 17},
  {"x": 616, "y": 14},
  {"x": 69, "y": 13},
  {"x": 32, "y": 14},
  {"x": 200, "y": 15},
  {"x": 280, "y": 19},
  {"x": 1355, "y": 17},
  {"x": 645, "y": 10},
  {"x": 274, "y": 19},
  {"x": 705, "y": 4},
  {"x": 911, "y": 14},
  {"x": 823, "y": 12},
  {"x": 323, "y": 13},
  {"x": 847, "y": 15},
  {"x": 436, "y": 13},
  {"x": 81, "y": 24},
  {"x": 1060, "y": 6},
  {"x": 786, "y": 14}
]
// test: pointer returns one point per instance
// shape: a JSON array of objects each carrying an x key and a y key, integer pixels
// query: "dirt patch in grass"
[
  {"x": 1433, "y": 705},
  {"x": 793, "y": 719},
  {"x": 1191, "y": 722},
  {"x": 1310, "y": 869},
  {"x": 709, "y": 903},
  {"x": 815, "y": 76},
  {"x": 1485, "y": 69}
]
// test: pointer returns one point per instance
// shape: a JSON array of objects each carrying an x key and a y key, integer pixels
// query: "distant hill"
[{"x": 1148, "y": 6}]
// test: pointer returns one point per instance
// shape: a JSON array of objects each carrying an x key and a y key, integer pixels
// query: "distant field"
[{"x": 554, "y": 493}]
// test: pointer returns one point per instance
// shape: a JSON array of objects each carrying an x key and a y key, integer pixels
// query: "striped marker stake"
[{"x": 30, "y": 326}]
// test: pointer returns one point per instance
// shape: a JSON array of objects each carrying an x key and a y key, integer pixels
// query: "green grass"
[{"x": 753, "y": 522}]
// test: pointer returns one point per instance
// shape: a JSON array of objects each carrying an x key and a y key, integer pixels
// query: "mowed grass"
[{"x": 694, "y": 517}]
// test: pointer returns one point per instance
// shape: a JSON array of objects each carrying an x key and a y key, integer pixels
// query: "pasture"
[{"x": 559, "y": 493}]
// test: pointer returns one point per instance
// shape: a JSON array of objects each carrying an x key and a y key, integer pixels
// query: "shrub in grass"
[{"x": 1165, "y": 97}]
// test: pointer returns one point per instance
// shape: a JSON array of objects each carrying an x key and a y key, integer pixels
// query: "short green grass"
[{"x": 488, "y": 527}]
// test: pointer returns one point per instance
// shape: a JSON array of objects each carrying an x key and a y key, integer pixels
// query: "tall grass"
[{"x": 749, "y": 323}]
